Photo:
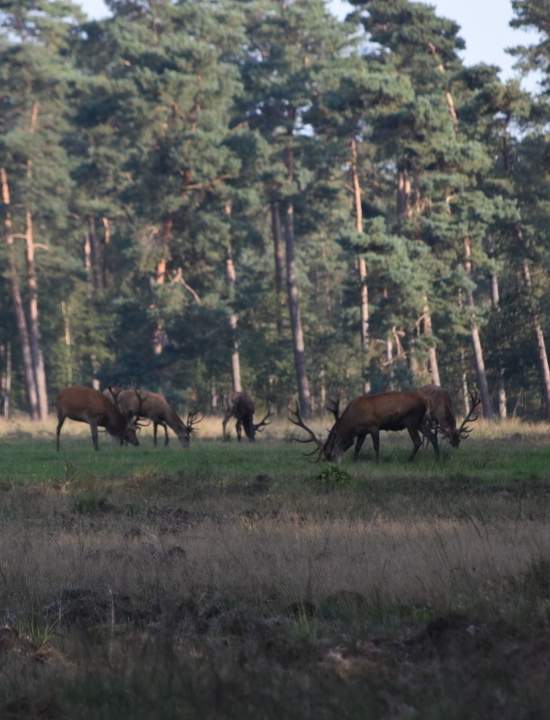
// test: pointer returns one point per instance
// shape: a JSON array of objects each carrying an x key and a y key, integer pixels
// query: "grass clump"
[
  {"x": 89, "y": 502},
  {"x": 333, "y": 476}
]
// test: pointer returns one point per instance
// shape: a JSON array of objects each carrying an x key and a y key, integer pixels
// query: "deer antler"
[
  {"x": 464, "y": 431},
  {"x": 193, "y": 418},
  {"x": 296, "y": 419},
  {"x": 333, "y": 406},
  {"x": 264, "y": 422}
]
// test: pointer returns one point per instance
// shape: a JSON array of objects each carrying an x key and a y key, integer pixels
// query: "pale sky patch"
[{"x": 485, "y": 28}]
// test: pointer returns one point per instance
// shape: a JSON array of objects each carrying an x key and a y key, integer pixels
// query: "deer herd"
[{"x": 425, "y": 413}]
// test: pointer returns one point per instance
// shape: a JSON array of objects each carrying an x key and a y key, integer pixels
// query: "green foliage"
[
  {"x": 150, "y": 147},
  {"x": 333, "y": 476}
]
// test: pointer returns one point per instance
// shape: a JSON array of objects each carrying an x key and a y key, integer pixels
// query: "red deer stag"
[
  {"x": 368, "y": 415},
  {"x": 155, "y": 407},
  {"x": 241, "y": 407},
  {"x": 87, "y": 405},
  {"x": 441, "y": 418}
]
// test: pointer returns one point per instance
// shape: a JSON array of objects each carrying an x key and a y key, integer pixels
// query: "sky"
[{"x": 484, "y": 23}]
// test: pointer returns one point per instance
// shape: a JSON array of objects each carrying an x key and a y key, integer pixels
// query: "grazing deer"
[
  {"x": 155, "y": 407},
  {"x": 441, "y": 417},
  {"x": 87, "y": 405},
  {"x": 368, "y": 415},
  {"x": 241, "y": 407}
]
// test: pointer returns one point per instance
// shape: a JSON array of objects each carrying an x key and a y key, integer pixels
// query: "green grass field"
[
  {"x": 508, "y": 458},
  {"x": 241, "y": 580}
]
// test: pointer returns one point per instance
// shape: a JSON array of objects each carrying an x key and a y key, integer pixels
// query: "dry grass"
[
  {"x": 280, "y": 428},
  {"x": 441, "y": 564},
  {"x": 228, "y": 583}
]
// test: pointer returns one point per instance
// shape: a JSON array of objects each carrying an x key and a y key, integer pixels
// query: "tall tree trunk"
[
  {"x": 389, "y": 360},
  {"x": 214, "y": 397},
  {"x": 414, "y": 367},
  {"x": 476, "y": 338},
  {"x": 5, "y": 388},
  {"x": 39, "y": 368},
  {"x": 105, "y": 244},
  {"x": 404, "y": 191},
  {"x": 68, "y": 343},
  {"x": 433, "y": 365},
  {"x": 17, "y": 300},
  {"x": 159, "y": 334},
  {"x": 464, "y": 381},
  {"x": 87, "y": 255},
  {"x": 279, "y": 259},
  {"x": 449, "y": 99},
  {"x": 231, "y": 276},
  {"x": 34, "y": 317},
  {"x": 406, "y": 208},
  {"x": 293, "y": 296},
  {"x": 96, "y": 249},
  {"x": 361, "y": 269},
  {"x": 502, "y": 397},
  {"x": 539, "y": 335}
]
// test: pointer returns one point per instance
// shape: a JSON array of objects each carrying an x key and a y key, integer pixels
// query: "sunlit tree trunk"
[
  {"x": 406, "y": 209},
  {"x": 39, "y": 368},
  {"x": 17, "y": 300},
  {"x": 96, "y": 252},
  {"x": 502, "y": 398},
  {"x": 539, "y": 335},
  {"x": 231, "y": 276},
  {"x": 361, "y": 269},
  {"x": 279, "y": 261},
  {"x": 68, "y": 343},
  {"x": 389, "y": 361},
  {"x": 433, "y": 365},
  {"x": 293, "y": 296},
  {"x": 6, "y": 378},
  {"x": 476, "y": 338},
  {"x": 106, "y": 242},
  {"x": 159, "y": 334},
  {"x": 34, "y": 325}
]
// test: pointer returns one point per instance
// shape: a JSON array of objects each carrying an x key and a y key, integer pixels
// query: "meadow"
[{"x": 240, "y": 580}]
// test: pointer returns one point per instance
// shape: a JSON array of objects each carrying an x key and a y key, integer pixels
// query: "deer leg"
[
  {"x": 166, "y": 438},
  {"x": 224, "y": 423},
  {"x": 432, "y": 437},
  {"x": 239, "y": 430},
  {"x": 155, "y": 429},
  {"x": 376, "y": 444},
  {"x": 415, "y": 437},
  {"x": 60, "y": 421},
  {"x": 359, "y": 440},
  {"x": 93, "y": 428}
]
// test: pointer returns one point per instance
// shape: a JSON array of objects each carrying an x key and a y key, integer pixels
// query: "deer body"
[
  {"x": 87, "y": 405},
  {"x": 438, "y": 416},
  {"x": 370, "y": 414},
  {"x": 241, "y": 407},
  {"x": 155, "y": 407}
]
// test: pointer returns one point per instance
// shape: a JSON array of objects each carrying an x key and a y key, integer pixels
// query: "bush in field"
[
  {"x": 333, "y": 476},
  {"x": 90, "y": 503}
]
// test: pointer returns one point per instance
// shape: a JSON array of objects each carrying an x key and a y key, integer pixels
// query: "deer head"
[{"x": 193, "y": 418}]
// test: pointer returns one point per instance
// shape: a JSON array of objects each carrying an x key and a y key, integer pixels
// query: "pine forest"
[{"x": 216, "y": 195}]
